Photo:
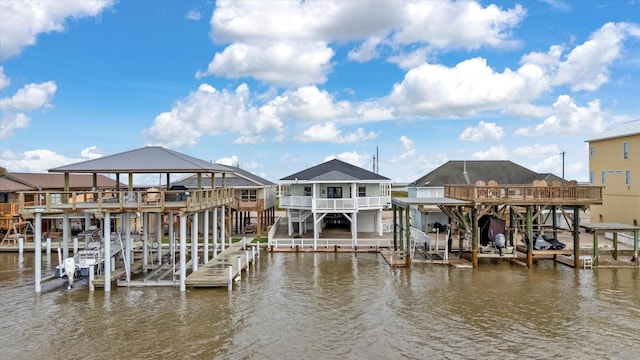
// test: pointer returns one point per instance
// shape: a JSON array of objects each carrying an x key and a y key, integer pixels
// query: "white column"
[
  {"x": 215, "y": 231},
  {"x": 354, "y": 228},
  {"x": 159, "y": 236},
  {"x": 380, "y": 222},
  {"x": 87, "y": 225},
  {"x": 65, "y": 235},
  {"x": 183, "y": 252},
  {"x": 37, "y": 253},
  {"x": 145, "y": 240},
  {"x": 107, "y": 251},
  {"x": 289, "y": 222},
  {"x": 205, "y": 238},
  {"x": 223, "y": 233},
  {"x": 127, "y": 238},
  {"x": 316, "y": 231},
  {"x": 194, "y": 243}
]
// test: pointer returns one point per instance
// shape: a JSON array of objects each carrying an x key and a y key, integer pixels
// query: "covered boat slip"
[
  {"x": 529, "y": 212},
  {"x": 121, "y": 204}
]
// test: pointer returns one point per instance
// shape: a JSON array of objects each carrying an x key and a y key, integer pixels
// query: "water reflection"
[{"x": 331, "y": 305}]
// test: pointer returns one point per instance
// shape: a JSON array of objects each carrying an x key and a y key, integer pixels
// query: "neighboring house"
[
  {"x": 255, "y": 198},
  {"x": 12, "y": 183},
  {"x": 334, "y": 194},
  {"x": 614, "y": 164},
  {"x": 465, "y": 172}
]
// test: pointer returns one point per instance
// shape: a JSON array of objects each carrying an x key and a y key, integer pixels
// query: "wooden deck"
[
  {"x": 526, "y": 194},
  {"x": 215, "y": 273}
]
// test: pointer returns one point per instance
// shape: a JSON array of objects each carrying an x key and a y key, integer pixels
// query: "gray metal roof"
[
  {"x": 150, "y": 159},
  {"x": 467, "y": 172},
  {"x": 335, "y": 170},
  {"x": 239, "y": 179},
  {"x": 628, "y": 128}
]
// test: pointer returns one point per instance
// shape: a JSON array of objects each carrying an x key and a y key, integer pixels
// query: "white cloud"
[
  {"x": 288, "y": 42},
  {"x": 213, "y": 112},
  {"x": 567, "y": 118},
  {"x": 30, "y": 97},
  {"x": 329, "y": 133},
  {"x": 230, "y": 160},
  {"x": 23, "y": 21},
  {"x": 361, "y": 160},
  {"x": 408, "y": 150},
  {"x": 587, "y": 66},
  {"x": 193, "y": 14},
  {"x": 4, "y": 80},
  {"x": 282, "y": 63},
  {"x": 310, "y": 103},
  {"x": 366, "y": 51},
  {"x": 483, "y": 131},
  {"x": 499, "y": 152},
  {"x": 470, "y": 86},
  {"x": 89, "y": 153},
  {"x": 40, "y": 160},
  {"x": 13, "y": 122},
  {"x": 458, "y": 24},
  {"x": 536, "y": 150},
  {"x": 550, "y": 164}
]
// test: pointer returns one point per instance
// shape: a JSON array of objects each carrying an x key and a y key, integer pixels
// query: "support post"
[
  {"x": 65, "y": 235},
  {"x": 194, "y": 243},
  {"x": 408, "y": 234},
  {"x": 183, "y": 252},
  {"x": 615, "y": 245},
  {"x": 205, "y": 237},
  {"x": 475, "y": 238},
  {"x": 576, "y": 237},
  {"x": 107, "y": 251},
  {"x": 530, "y": 237},
  {"x": 37, "y": 254},
  {"x": 230, "y": 278}
]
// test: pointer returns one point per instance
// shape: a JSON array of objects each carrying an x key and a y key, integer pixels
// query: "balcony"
[
  {"x": 124, "y": 201},
  {"x": 334, "y": 205}
]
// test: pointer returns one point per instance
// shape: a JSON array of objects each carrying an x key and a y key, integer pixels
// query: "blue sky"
[{"x": 277, "y": 86}]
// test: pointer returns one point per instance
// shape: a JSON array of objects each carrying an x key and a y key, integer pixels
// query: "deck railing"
[
  {"x": 580, "y": 194},
  {"x": 336, "y": 205},
  {"x": 111, "y": 200}
]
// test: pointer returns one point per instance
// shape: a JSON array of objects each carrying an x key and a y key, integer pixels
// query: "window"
[
  {"x": 307, "y": 190},
  {"x": 250, "y": 194},
  {"x": 591, "y": 177},
  {"x": 334, "y": 192},
  {"x": 604, "y": 177},
  {"x": 362, "y": 191},
  {"x": 625, "y": 150},
  {"x": 592, "y": 151},
  {"x": 627, "y": 177}
]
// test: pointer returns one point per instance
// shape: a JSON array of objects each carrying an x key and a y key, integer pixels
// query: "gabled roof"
[
  {"x": 467, "y": 172},
  {"x": 150, "y": 159},
  {"x": 35, "y": 181},
  {"x": 239, "y": 179},
  {"x": 8, "y": 185},
  {"x": 334, "y": 170},
  {"x": 628, "y": 128}
]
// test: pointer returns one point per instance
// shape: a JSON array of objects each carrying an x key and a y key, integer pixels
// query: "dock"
[{"x": 215, "y": 273}]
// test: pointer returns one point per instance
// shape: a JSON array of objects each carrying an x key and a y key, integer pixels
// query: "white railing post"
[
  {"x": 230, "y": 280},
  {"x": 239, "y": 261}
]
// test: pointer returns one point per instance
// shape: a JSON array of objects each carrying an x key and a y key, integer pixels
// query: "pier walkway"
[{"x": 215, "y": 273}]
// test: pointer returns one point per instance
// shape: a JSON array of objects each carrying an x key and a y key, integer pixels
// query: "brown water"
[{"x": 331, "y": 306}]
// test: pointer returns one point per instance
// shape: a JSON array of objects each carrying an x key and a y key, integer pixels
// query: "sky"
[{"x": 275, "y": 87}]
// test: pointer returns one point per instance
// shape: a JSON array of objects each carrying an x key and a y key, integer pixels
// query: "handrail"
[
  {"x": 586, "y": 193},
  {"x": 121, "y": 200}
]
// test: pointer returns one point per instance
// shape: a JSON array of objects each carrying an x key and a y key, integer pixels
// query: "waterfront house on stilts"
[{"x": 116, "y": 208}]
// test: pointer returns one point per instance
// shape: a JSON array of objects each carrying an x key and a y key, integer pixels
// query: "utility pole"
[{"x": 563, "y": 153}]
